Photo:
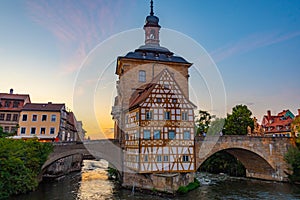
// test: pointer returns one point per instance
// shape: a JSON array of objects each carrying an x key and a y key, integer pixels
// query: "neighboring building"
[
  {"x": 10, "y": 107},
  {"x": 154, "y": 119},
  {"x": 71, "y": 130},
  {"x": 80, "y": 130},
  {"x": 278, "y": 125},
  {"x": 46, "y": 121},
  {"x": 296, "y": 125}
]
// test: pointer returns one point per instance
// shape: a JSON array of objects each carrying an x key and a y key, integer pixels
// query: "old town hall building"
[{"x": 154, "y": 118}]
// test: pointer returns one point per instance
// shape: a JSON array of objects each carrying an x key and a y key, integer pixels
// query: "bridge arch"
[
  {"x": 102, "y": 149},
  {"x": 256, "y": 166}
]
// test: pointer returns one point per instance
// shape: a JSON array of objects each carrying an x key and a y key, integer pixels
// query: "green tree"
[
  {"x": 238, "y": 122},
  {"x": 203, "y": 120},
  {"x": 292, "y": 157},
  {"x": 20, "y": 164}
]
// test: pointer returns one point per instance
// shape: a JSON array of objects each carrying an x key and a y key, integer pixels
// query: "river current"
[{"x": 92, "y": 184}]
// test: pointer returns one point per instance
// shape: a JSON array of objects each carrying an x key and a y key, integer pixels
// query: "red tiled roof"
[
  {"x": 141, "y": 94},
  {"x": 44, "y": 106},
  {"x": 14, "y": 96},
  {"x": 280, "y": 120}
]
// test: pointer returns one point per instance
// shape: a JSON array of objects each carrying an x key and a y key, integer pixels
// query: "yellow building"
[{"x": 45, "y": 121}]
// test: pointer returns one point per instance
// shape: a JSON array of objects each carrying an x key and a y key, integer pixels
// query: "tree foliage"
[
  {"x": 238, "y": 122},
  {"x": 20, "y": 164},
  {"x": 203, "y": 120},
  {"x": 292, "y": 157}
]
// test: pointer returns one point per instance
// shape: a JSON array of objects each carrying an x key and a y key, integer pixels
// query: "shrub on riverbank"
[
  {"x": 20, "y": 164},
  {"x": 189, "y": 187}
]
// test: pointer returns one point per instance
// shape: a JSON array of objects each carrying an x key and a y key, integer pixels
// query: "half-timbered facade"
[{"x": 159, "y": 128}]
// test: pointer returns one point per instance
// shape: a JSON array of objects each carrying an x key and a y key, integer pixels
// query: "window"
[
  {"x": 185, "y": 158},
  {"x": 184, "y": 116},
  {"x": 186, "y": 135},
  {"x": 23, "y": 130},
  {"x": 53, "y": 118},
  {"x": 137, "y": 116},
  {"x": 8, "y": 117},
  {"x": 148, "y": 115},
  {"x": 147, "y": 134},
  {"x": 142, "y": 76},
  {"x": 171, "y": 135},
  {"x": 44, "y": 117},
  {"x": 2, "y": 116},
  {"x": 6, "y": 129},
  {"x": 146, "y": 158},
  {"x": 157, "y": 135},
  {"x": 14, "y": 129},
  {"x": 174, "y": 100},
  {"x": 16, "y": 104},
  {"x": 166, "y": 86},
  {"x": 52, "y": 130},
  {"x": 43, "y": 130},
  {"x": 15, "y": 117},
  {"x": 34, "y": 118},
  {"x": 158, "y": 100},
  {"x": 7, "y": 104},
  {"x": 24, "y": 118},
  {"x": 32, "y": 130},
  {"x": 167, "y": 115},
  {"x": 158, "y": 158},
  {"x": 166, "y": 158}
]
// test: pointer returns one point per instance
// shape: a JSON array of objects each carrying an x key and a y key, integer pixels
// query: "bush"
[
  {"x": 189, "y": 187},
  {"x": 20, "y": 164}
]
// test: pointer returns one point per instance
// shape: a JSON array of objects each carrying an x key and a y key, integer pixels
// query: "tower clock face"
[{"x": 152, "y": 34}]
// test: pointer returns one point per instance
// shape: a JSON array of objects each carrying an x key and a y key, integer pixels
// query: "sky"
[{"x": 50, "y": 49}]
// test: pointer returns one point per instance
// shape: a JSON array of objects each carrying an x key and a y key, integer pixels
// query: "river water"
[{"x": 93, "y": 184}]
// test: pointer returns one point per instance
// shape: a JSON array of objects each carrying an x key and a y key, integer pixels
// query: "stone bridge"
[
  {"x": 263, "y": 157},
  {"x": 99, "y": 149}
]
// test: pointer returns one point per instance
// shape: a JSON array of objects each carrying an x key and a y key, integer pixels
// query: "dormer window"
[
  {"x": 16, "y": 104},
  {"x": 142, "y": 76}
]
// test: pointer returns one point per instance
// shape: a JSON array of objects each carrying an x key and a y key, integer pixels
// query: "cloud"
[
  {"x": 78, "y": 25},
  {"x": 250, "y": 43}
]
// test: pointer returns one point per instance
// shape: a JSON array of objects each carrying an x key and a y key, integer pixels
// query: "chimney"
[
  {"x": 269, "y": 113},
  {"x": 11, "y": 91},
  {"x": 298, "y": 112}
]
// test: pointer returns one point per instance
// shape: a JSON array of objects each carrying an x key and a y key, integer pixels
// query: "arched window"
[{"x": 142, "y": 76}]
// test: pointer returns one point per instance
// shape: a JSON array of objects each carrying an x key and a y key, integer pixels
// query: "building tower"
[{"x": 154, "y": 119}]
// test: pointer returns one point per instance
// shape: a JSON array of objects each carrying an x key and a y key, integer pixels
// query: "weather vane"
[{"x": 151, "y": 6}]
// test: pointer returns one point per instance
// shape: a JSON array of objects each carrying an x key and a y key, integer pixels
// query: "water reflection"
[{"x": 93, "y": 184}]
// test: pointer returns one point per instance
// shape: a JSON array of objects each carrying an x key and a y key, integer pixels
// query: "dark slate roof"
[
  {"x": 44, "y": 106},
  {"x": 154, "y": 53}
]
